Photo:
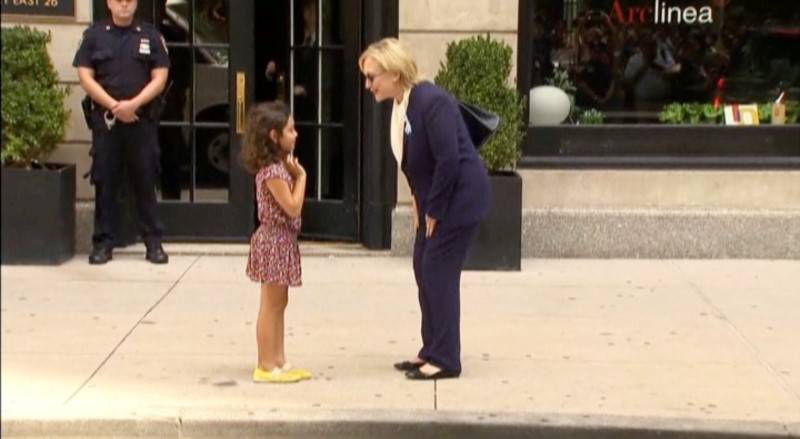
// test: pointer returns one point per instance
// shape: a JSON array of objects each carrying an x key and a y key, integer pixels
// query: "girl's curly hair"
[{"x": 258, "y": 149}]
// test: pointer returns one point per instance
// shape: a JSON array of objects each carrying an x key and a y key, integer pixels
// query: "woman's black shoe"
[
  {"x": 408, "y": 365},
  {"x": 417, "y": 374}
]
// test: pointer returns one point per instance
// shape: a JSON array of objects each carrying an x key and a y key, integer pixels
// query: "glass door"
[
  {"x": 203, "y": 193},
  {"x": 217, "y": 48},
  {"x": 322, "y": 90}
]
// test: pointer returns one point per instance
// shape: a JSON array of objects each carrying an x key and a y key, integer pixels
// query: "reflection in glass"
[
  {"x": 177, "y": 106},
  {"x": 306, "y": 151},
  {"x": 175, "y": 162},
  {"x": 333, "y": 17},
  {"x": 212, "y": 100},
  {"x": 271, "y": 54},
  {"x": 174, "y": 23},
  {"x": 195, "y": 159},
  {"x": 629, "y": 61},
  {"x": 213, "y": 164},
  {"x": 305, "y": 84},
  {"x": 211, "y": 21},
  {"x": 332, "y": 164},
  {"x": 305, "y": 23},
  {"x": 332, "y": 80}
]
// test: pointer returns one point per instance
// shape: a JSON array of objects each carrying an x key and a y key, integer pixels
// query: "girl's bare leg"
[
  {"x": 263, "y": 330},
  {"x": 281, "y": 352},
  {"x": 269, "y": 326}
]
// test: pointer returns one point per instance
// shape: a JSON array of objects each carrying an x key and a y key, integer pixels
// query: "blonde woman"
[{"x": 450, "y": 193}]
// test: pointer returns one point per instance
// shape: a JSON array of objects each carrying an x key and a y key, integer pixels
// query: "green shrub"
[
  {"x": 562, "y": 80},
  {"x": 591, "y": 117},
  {"x": 792, "y": 112},
  {"x": 34, "y": 117},
  {"x": 476, "y": 71},
  {"x": 692, "y": 113}
]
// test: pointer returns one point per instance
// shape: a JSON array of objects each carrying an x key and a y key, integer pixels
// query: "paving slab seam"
[
  {"x": 436, "y": 394},
  {"x": 393, "y": 424},
  {"x": 780, "y": 380},
  {"x": 130, "y": 331}
]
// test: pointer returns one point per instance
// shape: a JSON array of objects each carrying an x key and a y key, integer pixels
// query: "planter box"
[
  {"x": 498, "y": 244},
  {"x": 38, "y": 215},
  {"x": 662, "y": 146}
]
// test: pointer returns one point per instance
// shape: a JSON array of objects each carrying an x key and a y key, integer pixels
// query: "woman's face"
[{"x": 382, "y": 84}]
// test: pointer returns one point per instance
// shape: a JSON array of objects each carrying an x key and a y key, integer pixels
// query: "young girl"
[{"x": 274, "y": 254}]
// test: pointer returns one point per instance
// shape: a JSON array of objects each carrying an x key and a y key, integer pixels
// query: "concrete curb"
[
  {"x": 586, "y": 233},
  {"x": 643, "y": 233},
  {"x": 389, "y": 424}
]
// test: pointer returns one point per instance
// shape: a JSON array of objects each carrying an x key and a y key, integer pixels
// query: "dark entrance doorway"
[
  {"x": 228, "y": 54},
  {"x": 306, "y": 55}
]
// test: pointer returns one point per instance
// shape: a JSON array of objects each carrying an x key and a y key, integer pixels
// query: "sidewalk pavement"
[{"x": 564, "y": 348}]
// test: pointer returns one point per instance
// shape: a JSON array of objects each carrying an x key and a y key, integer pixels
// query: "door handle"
[{"x": 241, "y": 88}]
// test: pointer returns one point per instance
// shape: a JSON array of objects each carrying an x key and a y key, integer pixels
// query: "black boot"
[
  {"x": 156, "y": 255},
  {"x": 100, "y": 255}
]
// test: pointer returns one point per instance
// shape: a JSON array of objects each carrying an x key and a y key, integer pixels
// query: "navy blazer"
[{"x": 447, "y": 177}]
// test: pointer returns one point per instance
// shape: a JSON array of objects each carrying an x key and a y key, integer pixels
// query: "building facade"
[{"x": 631, "y": 172}]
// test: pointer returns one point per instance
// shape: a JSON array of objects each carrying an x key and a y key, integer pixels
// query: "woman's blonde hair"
[{"x": 393, "y": 57}]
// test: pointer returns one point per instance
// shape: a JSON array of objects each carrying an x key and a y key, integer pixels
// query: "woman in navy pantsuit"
[{"x": 450, "y": 194}]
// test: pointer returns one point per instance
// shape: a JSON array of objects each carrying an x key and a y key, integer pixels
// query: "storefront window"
[{"x": 665, "y": 61}]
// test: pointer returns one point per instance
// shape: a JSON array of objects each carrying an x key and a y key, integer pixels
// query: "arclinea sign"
[
  {"x": 40, "y": 8},
  {"x": 661, "y": 12}
]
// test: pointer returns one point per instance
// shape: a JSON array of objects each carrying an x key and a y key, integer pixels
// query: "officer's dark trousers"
[
  {"x": 437, "y": 268},
  {"x": 137, "y": 145}
]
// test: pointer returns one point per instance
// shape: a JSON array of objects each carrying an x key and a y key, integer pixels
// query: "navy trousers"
[
  {"x": 438, "y": 261},
  {"x": 137, "y": 145}
]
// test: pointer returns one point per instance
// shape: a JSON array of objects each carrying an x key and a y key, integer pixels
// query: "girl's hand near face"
[{"x": 294, "y": 167}]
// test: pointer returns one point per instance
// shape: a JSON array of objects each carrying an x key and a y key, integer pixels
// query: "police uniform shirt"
[{"x": 122, "y": 57}]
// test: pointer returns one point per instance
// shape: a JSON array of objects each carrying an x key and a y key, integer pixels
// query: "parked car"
[{"x": 211, "y": 92}]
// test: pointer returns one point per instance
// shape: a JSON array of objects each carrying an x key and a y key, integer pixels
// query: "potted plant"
[
  {"x": 38, "y": 219},
  {"x": 476, "y": 71},
  {"x": 591, "y": 116}
]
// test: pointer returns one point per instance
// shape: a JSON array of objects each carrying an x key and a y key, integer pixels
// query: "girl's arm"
[{"x": 290, "y": 200}]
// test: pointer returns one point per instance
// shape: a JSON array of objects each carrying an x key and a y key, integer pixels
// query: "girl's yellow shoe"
[
  {"x": 302, "y": 373},
  {"x": 277, "y": 376}
]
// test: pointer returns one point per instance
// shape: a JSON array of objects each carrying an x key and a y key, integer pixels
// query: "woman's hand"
[
  {"x": 294, "y": 167},
  {"x": 430, "y": 226}
]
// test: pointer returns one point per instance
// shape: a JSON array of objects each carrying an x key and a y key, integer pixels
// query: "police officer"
[{"x": 123, "y": 66}]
